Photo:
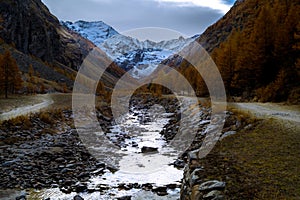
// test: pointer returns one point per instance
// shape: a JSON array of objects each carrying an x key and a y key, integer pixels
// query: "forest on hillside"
[
  {"x": 260, "y": 59},
  {"x": 264, "y": 56}
]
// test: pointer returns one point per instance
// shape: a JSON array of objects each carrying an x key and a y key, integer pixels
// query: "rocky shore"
[
  {"x": 200, "y": 181},
  {"x": 44, "y": 151}
]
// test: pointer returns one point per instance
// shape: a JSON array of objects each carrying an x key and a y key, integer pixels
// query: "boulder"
[
  {"x": 149, "y": 149},
  {"x": 212, "y": 185}
]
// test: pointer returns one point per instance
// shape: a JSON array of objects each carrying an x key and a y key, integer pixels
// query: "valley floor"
[{"x": 260, "y": 161}]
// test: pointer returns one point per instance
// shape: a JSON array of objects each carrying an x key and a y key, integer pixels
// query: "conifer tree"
[{"x": 10, "y": 77}]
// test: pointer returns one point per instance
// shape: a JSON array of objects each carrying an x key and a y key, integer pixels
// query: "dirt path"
[
  {"x": 27, "y": 109},
  {"x": 270, "y": 110}
]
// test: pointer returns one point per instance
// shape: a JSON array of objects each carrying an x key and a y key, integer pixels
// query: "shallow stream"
[{"x": 145, "y": 170}]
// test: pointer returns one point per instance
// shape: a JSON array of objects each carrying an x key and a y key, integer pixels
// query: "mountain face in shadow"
[{"x": 37, "y": 40}]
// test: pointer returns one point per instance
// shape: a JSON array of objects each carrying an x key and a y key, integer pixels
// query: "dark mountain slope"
[
  {"x": 32, "y": 29},
  {"x": 35, "y": 37},
  {"x": 238, "y": 17}
]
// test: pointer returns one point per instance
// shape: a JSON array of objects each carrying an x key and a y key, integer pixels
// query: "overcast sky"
[{"x": 189, "y": 17}]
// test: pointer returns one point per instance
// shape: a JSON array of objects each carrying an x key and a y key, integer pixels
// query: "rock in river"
[{"x": 149, "y": 150}]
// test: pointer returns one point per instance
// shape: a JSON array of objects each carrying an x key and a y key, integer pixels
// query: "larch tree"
[
  {"x": 10, "y": 77},
  {"x": 226, "y": 56},
  {"x": 263, "y": 45}
]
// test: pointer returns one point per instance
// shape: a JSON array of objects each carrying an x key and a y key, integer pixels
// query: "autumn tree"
[
  {"x": 1, "y": 28},
  {"x": 31, "y": 88},
  {"x": 30, "y": 71},
  {"x": 296, "y": 47},
  {"x": 1, "y": 21},
  {"x": 10, "y": 77},
  {"x": 226, "y": 57}
]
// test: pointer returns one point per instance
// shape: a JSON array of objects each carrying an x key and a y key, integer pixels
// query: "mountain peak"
[{"x": 95, "y": 31}]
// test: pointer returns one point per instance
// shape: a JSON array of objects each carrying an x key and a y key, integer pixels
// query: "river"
[{"x": 142, "y": 173}]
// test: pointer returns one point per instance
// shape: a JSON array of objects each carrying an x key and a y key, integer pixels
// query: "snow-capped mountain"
[
  {"x": 97, "y": 31},
  {"x": 139, "y": 58}
]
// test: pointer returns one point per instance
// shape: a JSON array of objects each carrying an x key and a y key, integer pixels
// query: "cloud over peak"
[{"x": 212, "y": 4}]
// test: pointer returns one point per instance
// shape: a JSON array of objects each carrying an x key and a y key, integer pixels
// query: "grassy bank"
[{"x": 261, "y": 162}]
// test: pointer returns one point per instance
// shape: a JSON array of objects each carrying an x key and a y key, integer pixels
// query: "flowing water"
[{"x": 139, "y": 172}]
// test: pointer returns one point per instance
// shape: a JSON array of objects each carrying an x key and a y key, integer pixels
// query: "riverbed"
[{"x": 140, "y": 174}]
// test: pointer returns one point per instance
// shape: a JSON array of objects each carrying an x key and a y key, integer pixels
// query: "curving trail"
[
  {"x": 270, "y": 110},
  {"x": 25, "y": 110}
]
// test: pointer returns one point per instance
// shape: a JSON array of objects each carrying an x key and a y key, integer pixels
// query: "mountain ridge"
[{"x": 139, "y": 58}]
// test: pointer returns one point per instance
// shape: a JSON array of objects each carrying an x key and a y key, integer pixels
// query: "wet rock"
[
  {"x": 66, "y": 170},
  {"x": 8, "y": 163},
  {"x": 27, "y": 168},
  {"x": 80, "y": 188},
  {"x": 214, "y": 195},
  {"x": 195, "y": 178},
  {"x": 135, "y": 185},
  {"x": 56, "y": 150},
  {"x": 100, "y": 165},
  {"x": 147, "y": 186},
  {"x": 149, "y": 149},
  {"x": 249, "y": 126},
  {"x": 21, "y": 197},
  {"x": 112, "y": 168},
  {"x": 124, "y": 198},
  {"x": 102, "y": 187},
  {"x": 193, "y": 155},
  {"x": 179, "y": 164},
  {"x": 204, "y": 122},
  {"x": 161, "y": 191},
  {"x": 212, "y": 185},
  {"x": 77, "y": 197},
  {"x": 60, "y": 160},
  {"x": 83, "y": 175},
  {"x": 125, "y": 186},
  {"x": 66, "y": 190},
  {"x": 173, "y": 186},
  {"x": 68, "y": 183},
  {"x": 98, "y": 171},
  {"x": 134, "y": 144},
  {"x": 227, "y": 134},
  {"x": 71, "y": 165}
]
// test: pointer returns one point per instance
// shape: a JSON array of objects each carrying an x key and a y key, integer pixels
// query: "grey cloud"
[{"x": 124, "y": 15}]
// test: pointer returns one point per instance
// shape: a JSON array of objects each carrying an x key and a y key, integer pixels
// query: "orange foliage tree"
[{"x": 10, "y": 77}]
